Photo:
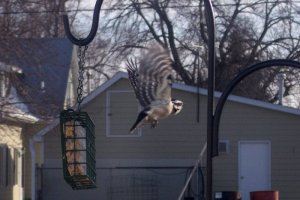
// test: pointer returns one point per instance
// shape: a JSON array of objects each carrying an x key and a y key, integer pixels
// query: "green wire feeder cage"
[{"x": 78, "y": 149}]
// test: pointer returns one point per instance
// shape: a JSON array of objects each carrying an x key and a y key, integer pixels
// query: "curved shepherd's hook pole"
[
  {"x": 210, "y": 21},
  {"x": 237, "y": 80},
  {"x": 93, "y": 31}
]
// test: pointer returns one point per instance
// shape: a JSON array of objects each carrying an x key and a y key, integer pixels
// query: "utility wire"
[{"x": 144, "y": 7}]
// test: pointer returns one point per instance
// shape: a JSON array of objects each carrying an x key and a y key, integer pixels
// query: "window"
[
  {"x": 70, "y": 93},
  {"x": 17, "y": 163},
  {"x": 10, "y": 167},
  {"x": 9, "y": 162},
  {"x": 2, "y": 165},
  {"x": 3, "y": 84},
  {"x": 121, "y": 112}
]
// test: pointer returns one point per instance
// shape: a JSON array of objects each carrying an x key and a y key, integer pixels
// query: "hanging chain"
[{"x": 81, "y": 62}]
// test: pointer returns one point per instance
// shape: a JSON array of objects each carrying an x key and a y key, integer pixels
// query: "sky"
[{"x": 84, "y": 21}]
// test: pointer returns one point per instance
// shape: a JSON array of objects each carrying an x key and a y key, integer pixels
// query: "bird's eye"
[{"x": 178, "y": 104}]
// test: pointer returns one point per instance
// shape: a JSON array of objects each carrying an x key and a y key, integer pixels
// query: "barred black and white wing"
[
  {"x": 151, "y": 81},
  {"x": 134, "y": 78}
]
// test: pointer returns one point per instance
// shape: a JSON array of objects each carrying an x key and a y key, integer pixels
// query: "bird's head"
[{"x": 177, "y": 106}]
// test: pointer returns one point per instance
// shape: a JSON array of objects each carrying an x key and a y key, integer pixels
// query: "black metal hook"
[{"x": 93, "y": 31}]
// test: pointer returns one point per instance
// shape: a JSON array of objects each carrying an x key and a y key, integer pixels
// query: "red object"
[{"x": 264, "y": 195}]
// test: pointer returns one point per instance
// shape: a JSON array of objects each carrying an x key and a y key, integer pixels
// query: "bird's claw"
[{"x": 154, "y": 124}]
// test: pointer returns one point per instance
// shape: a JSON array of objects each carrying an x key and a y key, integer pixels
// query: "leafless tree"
[
  {"x": 246, "y": 32},
  {"x": 252, "y": 32},
  {"x": 31, "y": 18}
]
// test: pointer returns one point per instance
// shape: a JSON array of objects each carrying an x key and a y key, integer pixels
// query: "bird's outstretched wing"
[{"x": 152, "y": 80}]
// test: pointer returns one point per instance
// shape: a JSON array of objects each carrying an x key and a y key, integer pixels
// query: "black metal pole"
[
  {"x": 243, "y": 74},
  {"x": 210, "y": 21},
  {"x": 93, "y": 31}
]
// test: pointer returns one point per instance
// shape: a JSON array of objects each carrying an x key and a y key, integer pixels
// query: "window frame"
[{"x": 108, "y": 133}]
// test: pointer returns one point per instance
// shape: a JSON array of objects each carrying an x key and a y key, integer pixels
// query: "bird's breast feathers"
[{"x": 160, "y": 111}]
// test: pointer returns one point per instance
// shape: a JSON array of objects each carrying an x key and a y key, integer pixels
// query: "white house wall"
[
  {"x": 178, "y": 140},
  {"x": 248, "y": 123}
]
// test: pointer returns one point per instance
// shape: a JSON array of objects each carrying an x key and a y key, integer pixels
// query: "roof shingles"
[{"x": 45, "y": 65}]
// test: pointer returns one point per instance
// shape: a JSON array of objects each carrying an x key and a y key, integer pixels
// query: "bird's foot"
[{"x": 154, "y": 124}]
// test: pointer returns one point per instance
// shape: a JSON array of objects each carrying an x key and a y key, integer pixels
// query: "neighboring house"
[
  {"x": 259, "y": 148},
  {"x": 36, "y": 83}
]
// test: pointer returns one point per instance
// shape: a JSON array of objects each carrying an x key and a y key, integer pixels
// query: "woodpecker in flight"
[{"x": 151, "y": 82}]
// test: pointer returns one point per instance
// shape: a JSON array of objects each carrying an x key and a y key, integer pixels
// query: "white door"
[{"x": 254, "y": 167}]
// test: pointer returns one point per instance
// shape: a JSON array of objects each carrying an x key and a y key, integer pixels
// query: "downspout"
[
  {"x": 32, "y": 152},
  {"x": 38, "y": 137},
  {"x": 20, "y": 174},
  {"x": 281, "y": 78}
]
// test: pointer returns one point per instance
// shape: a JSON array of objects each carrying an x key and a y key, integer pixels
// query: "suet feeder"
[
  {"x": 78, "y": 140},
  {"x": 77, "y": 129},
  {"x": 78, "y": 149}
]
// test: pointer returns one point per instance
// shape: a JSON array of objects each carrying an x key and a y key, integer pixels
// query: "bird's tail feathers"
[{"x": 139, "y": 121}]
